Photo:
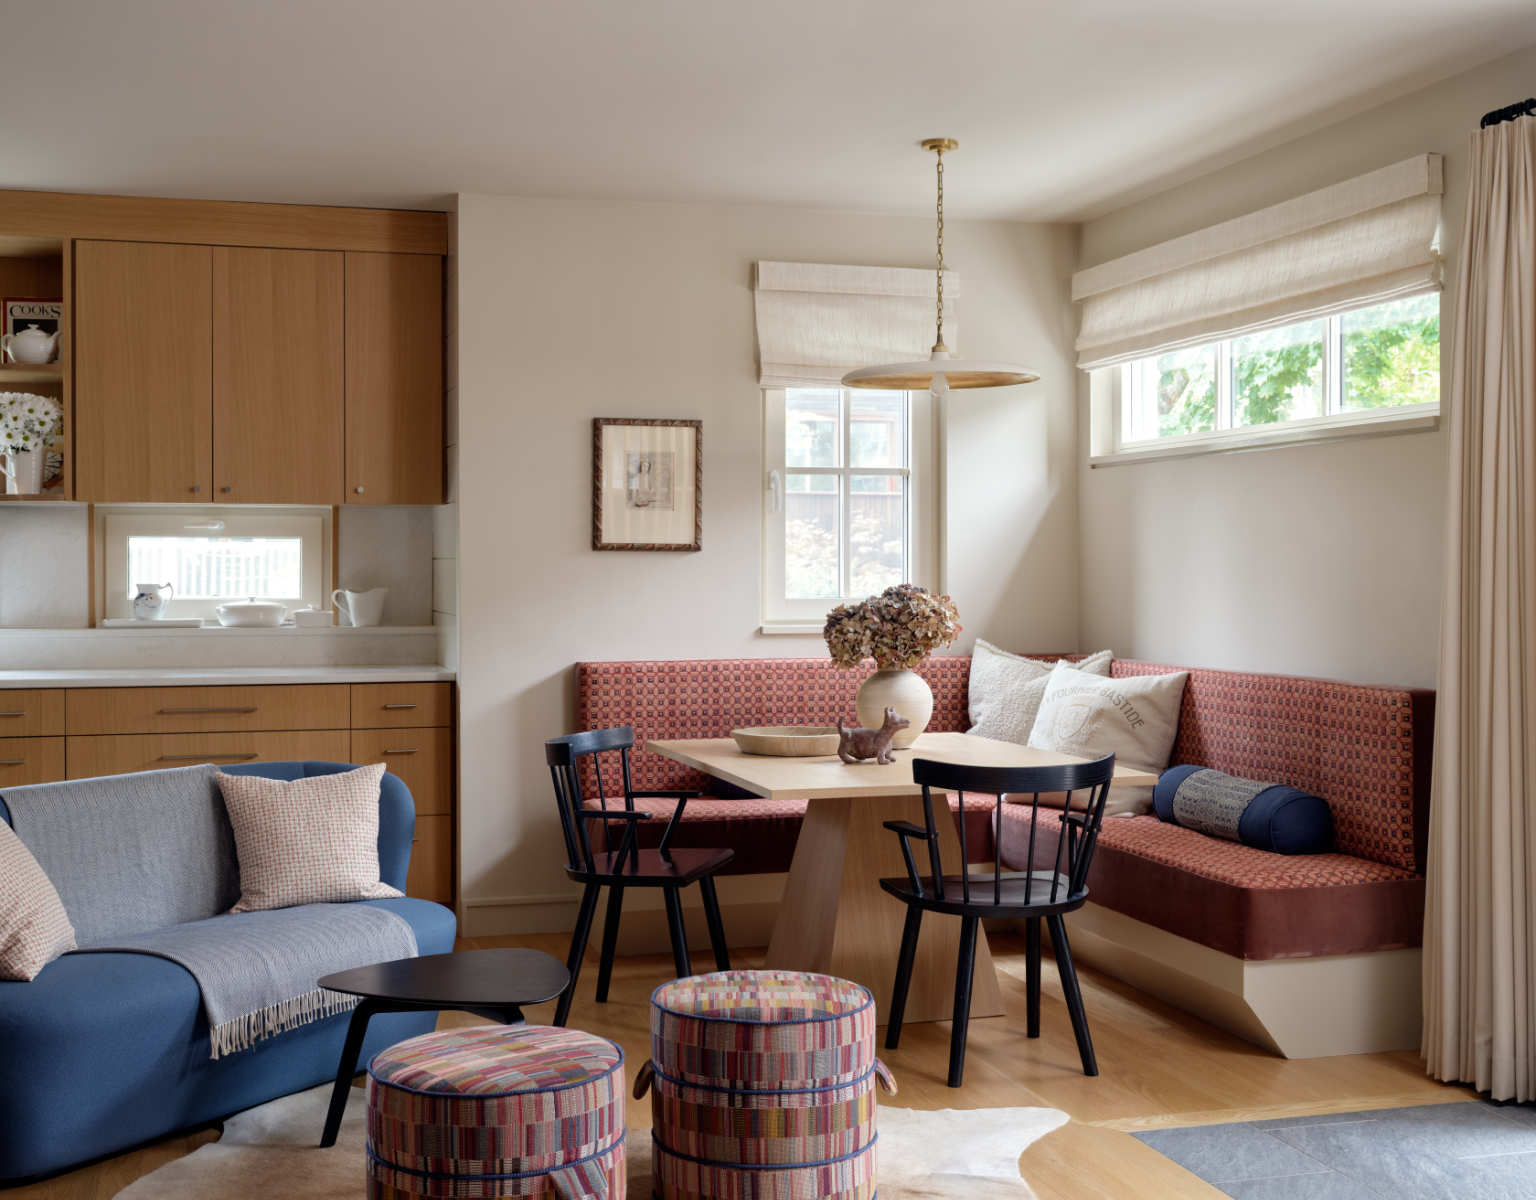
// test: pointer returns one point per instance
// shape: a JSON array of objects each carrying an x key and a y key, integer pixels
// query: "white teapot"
[
  {"x": 148, "y": 603},
  {"x": 31, "y": 345}
]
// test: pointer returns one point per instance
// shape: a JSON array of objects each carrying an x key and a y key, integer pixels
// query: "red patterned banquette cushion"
[{"x": 1366, "y": 749}]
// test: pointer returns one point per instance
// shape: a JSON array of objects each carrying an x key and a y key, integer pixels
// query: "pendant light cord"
[{"x": 939, "y": 307}]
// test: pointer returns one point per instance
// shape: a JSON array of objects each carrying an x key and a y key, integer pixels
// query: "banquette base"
[{"x": 1296, "y": 1007}]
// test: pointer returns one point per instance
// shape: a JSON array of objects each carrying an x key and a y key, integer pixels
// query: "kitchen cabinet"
[
  {"x": 278, "y": 376},
  {"x": 143, "y": 345},
  {"x": 394, "y": 352}
]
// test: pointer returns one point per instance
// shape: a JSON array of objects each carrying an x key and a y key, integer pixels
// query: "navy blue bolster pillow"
[{"x": 1267, "y": 816}]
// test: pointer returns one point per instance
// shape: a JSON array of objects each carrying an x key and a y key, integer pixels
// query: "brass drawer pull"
[
  {"x": 390, "y": 707},
  {"x": 13, "y": 762},
  {"x": 402, "y": 752},
  {"x": 192, "y": 712},
  {"x": 205, "y": 757}
]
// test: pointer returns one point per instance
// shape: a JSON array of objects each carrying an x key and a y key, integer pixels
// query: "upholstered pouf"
[
  {"x": 764, "y": 1087},
  {"x": 525, "y": 1111}
]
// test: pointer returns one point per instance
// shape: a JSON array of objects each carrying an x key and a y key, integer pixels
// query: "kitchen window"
[
  {"x": 210, "y": 555},
  {"x": 849, "y": 505}
]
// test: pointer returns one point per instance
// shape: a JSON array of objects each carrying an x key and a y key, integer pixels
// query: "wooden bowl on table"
[{"x": 787, "y": 741}]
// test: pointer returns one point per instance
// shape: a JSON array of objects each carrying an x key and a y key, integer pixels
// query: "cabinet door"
[
  {"x": 278, "y": 364},
  {"x": 394, "y": 379},
  {"x": 143, "y": 342}
]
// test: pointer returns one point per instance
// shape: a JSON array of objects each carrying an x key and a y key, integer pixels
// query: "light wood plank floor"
[{"x": 1159, "y": 1068}]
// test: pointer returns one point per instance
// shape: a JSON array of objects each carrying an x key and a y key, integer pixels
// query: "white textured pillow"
[
  {"x": 1135, "y": 718},
  {"x": 34, "y": 928},
  {"x": 1005, "y": 690},
  {"x": 306, "y": 841}
]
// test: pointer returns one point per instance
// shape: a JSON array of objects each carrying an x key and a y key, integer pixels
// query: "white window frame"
[
  {"x": 116, "y": 526},
  {"x": 1112, "y": 392},
  {"x": 783, "y": 615}
]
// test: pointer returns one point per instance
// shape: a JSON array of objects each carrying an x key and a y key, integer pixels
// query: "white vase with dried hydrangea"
[
  {"x": 27, "y": 424},
  {"x": 899, "y": 628}
]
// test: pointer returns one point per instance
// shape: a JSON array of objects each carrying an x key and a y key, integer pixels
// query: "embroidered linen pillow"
[
  {"x": 306, "y": 841},
  {"x": 1134, "y": 718},
  {"x": 1005, "y": 690},
  {"x": 34, "y": 928}
]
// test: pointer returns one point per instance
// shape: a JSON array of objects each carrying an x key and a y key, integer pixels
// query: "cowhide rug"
[{"x": 272, "y": 1151}]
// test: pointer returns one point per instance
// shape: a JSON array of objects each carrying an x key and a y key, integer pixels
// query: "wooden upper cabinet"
[
  {"x": 394, "y": 378},
  {"x": 278, "y": 376},
  {"x": 143, "y": 342}
]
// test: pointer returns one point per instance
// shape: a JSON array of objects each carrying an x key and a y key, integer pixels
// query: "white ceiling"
[{"x": 1061, "y": 107}]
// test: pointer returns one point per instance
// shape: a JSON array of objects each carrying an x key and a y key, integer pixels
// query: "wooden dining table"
[{"x": 834, "y": 918}]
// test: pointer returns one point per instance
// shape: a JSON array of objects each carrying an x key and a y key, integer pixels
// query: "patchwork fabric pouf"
[
  {"x": 764, "y": 1087},
  {"x": 526, "y": 1111}
]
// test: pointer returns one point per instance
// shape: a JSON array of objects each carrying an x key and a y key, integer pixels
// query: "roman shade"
[
  {"x": 1365, "y": 240},
  {"x": 816, "y": 322}
]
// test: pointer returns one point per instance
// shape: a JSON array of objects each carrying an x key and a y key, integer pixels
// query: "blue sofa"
[{"x": 103, "y": 1051}]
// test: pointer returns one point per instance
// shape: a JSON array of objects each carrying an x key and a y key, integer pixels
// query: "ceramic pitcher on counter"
[
  {"x": 359, "y": 608},
  {"x": 150, "y": 600}
]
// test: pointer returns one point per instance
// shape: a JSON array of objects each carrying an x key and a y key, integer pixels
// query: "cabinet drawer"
[
  {"x": 398, "y": 705},
  {"x": 431, "y": 873},
  {"x": 207, "y": 709},
  {"x": 31, "y": 713},
  {"x": 31, "y": 760},
  {"x": 120, "y": 754},
  {"x": 423, "y": 758}
]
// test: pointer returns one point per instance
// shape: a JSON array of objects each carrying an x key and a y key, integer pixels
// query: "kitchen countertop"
[{"x": 205, "y": 676}]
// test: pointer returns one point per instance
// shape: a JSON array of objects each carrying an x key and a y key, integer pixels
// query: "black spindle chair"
[
  {"x": 1044, "y": 891},
  {"x": 628, "y": 866}
]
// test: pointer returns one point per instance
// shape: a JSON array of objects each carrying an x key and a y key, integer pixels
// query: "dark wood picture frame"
[{"x": 601, "y": 423}]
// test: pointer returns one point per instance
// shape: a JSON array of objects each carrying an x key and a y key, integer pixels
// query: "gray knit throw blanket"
[
  {"x": 257, "y": 971},
  {"x": 146, "y": 863}
]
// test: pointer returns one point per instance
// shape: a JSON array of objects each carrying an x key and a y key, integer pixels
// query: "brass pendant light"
[{"x": 940, "y": 372}]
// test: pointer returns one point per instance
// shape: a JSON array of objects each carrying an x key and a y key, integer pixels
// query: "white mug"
[{"x": 360, "y": 608}]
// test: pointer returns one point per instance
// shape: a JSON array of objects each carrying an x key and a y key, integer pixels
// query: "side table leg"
[{"x": 347, "y": 1068}]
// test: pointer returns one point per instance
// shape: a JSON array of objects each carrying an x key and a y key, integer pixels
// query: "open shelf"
[{"x": 30, "y": 373}]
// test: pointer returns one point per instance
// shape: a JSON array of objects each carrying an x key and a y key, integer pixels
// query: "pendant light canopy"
[{"x": 939, "y": 371}]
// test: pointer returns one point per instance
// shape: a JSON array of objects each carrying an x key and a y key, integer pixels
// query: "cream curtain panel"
[
  {"x": 1367, "y": 239},
  {"x": 1480, "y": 927},
  {"x": 816, "y": 322}
]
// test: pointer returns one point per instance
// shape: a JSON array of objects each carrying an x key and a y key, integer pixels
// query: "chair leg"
[
  {"x": 1032, "y": 980},
  {"x": 678, "y": 931},
  {"x": 610, "y": 940},
  {"x": 716, "y": 925},
  {"x": 909, "y": 932},
  {"x": 579, "y": 937},
  {"x": 965, "y": 969},
  {"x": 1073, "y": 993}
]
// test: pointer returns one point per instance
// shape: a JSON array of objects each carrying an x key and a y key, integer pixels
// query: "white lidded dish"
[{"x": 251, "y": 614}]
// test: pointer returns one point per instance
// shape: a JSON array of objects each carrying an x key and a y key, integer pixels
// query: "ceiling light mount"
[{"x": 939, "y": 372}]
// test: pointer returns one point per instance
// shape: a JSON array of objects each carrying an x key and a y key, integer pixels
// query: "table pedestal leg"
[
  {"x": 835, "y": 919},
  {"x": 347, "y": 1068}
]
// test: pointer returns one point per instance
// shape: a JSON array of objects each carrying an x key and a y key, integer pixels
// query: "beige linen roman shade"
[
  {"x": 816, "y": 322},
  {"x": 1365, "y": 240}
]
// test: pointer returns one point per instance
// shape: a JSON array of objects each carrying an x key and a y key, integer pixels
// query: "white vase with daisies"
[{"x": 27, "y": 424}]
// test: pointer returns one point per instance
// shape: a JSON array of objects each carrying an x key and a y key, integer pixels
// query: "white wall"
[
  {"x": 1320, "y": 560},
  {"x": 572, "y": 310}
]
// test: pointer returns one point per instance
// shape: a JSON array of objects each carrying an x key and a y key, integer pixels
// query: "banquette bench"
[{"x": 1308, "y": 955}]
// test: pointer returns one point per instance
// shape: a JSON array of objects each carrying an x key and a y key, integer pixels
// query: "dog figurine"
[{"x": 858, "y": 745}]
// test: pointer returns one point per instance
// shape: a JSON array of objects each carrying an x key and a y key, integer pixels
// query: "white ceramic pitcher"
[
  {"x": 150, "y": 600},
  {"x": 360, "y": 608}
]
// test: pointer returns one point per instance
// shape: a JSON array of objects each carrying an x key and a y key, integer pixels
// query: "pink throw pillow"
[
  {"x": 306, "y": 841},
  {"x": 34, "y": 928}
]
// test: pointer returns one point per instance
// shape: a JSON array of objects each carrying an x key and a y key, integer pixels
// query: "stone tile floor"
[{"x": 1466, "y": 1149}]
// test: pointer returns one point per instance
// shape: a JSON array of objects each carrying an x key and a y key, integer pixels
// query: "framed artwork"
[
  {"x": 647, "y": 484},
  {"x": 20, "y": 312}
]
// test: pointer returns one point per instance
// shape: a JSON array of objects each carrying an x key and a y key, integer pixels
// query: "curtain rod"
[{"x": 1525, "y": 108}]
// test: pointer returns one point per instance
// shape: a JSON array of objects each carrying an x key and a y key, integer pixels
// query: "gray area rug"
[
  {"x": 271, "y": 1151},
  {"x": 1465, "y": 1150}
]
